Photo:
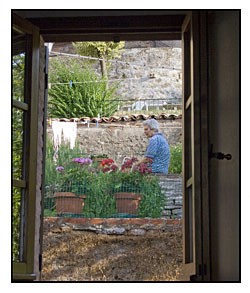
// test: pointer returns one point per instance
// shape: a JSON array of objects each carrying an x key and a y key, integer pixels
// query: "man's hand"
[{"x": 144, "y": 161}]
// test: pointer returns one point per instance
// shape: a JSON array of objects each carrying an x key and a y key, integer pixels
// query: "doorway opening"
[{"x": 147, "y": 77}]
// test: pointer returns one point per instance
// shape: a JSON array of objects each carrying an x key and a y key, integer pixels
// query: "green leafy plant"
[
  {"x": 18, "y": 74},
  {"x": 175, "y": 164},
  {"x": 153, "y": 200},
  {"x": 62, "y": 157},
  {"x": 102, "y": 156},
  {"x": 99, "y": 186},
  {"x": 103, "y": 50},
  {"x": 55, "y": 158},
  {"x": 81, "y": 179},
  {"x": 100, "y": 201},
  {"x": 88, "y": 95},
  {"x": 138, "y": 179},
  {"x": 76, "y": 176}
]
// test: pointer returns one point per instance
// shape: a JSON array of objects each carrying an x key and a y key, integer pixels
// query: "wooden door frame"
[
  {"x": 200, "y": 114},
  {"x": 24, "y": 270},
  {"x": 199, "y": 267}
]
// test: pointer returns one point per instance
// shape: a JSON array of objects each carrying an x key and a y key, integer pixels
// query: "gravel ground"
[{"x": 86, "y": 256}]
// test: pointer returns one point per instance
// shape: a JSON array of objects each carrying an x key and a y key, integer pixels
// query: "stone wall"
[
  {"x": 129, "y": 226},
  {"x": 172, "y": 188},
  {"x": 143, "y": 62},
  {"x": 163, "y": 59},
  {"x": 121, "y": 139}
]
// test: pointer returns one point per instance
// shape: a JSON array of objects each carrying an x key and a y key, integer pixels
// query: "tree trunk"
[{"x": 104, "y": 70}]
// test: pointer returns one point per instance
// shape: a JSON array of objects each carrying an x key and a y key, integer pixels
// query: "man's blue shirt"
[{"x": 158, "y": 150}]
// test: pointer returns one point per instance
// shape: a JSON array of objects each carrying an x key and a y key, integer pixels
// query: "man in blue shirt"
[{"x": 157, "y": 152}]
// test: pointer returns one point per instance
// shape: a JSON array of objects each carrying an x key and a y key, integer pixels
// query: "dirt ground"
[{"x": 86, "y": 256}]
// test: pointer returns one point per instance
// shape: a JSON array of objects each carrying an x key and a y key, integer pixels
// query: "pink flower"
[
  {"x": 78, "y": 160},
  {"x": 82, "y": 161},
  {"x": 87, "y": 161}
]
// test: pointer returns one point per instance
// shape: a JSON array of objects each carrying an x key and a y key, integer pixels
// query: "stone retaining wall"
[
  {"x": 163, "y": 59},
  {"x": 172, "y": 188},
  {"x": 129, "y": 226},
  {"x": 121, "y": 139}
]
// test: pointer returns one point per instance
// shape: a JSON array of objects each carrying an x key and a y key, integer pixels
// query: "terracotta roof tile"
[{"x": 133, "y": 117}]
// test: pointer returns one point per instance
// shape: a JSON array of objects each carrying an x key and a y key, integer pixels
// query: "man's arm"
[{"x": 145, "y": 160}]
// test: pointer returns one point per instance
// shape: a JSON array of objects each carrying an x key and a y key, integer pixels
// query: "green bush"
[
  {"x": 175, "y": 164},
  {"x": 153, "y": 200},
  {"x": 18, "y": 72},
  {"x": 64, "y": 154},
  {"x": 52, "y": 177},
  {"x": 88, "y": 95},
  {"x": 100, "y": 202}
]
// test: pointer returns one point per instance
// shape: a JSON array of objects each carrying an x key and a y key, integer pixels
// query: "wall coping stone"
[{"x": 116, "y": 226}]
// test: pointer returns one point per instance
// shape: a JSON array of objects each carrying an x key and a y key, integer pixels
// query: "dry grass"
[{"x": 86, "y": 256}]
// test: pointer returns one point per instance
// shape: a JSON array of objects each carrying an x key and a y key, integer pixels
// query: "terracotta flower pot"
[
  {"x": 127, "y": 202},
  {"x": 68, "y": 202}
]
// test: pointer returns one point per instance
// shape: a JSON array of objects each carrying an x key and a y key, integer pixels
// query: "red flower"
[
  {"x": 127, "y": 164},
  {"x": 104, "y": 170},
  {"x": 134, "y": 160},
  {"x": 108, "y": 162},
  {"x": 114, "y": 167}
]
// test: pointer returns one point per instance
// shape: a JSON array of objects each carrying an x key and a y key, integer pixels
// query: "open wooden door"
[
  {"x": 28, "y": 108},
  {"x": 195, "y": 150}
]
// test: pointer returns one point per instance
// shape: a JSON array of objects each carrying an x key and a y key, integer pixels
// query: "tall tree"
[{"x": 102, "y": 50}]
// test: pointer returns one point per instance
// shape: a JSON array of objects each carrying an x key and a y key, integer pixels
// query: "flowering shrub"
[
  {"x": 75, "y": 176},
  {"x": 100, "y": 185},
  {"x": 138, "y": 179},
  {"x": 81, "y": 178}
]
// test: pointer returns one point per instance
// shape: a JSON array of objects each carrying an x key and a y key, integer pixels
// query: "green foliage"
[
  {"x": 75, "y": 178},
  {"x": 153, "y": 200},
  {"x": 175, "y": 164},
  {"x": 18, "y": 65},
  {"x": 100, "y": 202},
  {"x": 80, "y": 99},
  {"x": 108, "y": 50},
  {"x": 146, "y": 185},
  {"x": 102, "y": 156},
  {"x": 64, "y": 155},
  {"x": 18, "y": 73},
  {"x": 137, "y": 179},
  {"x": 104, "y": 50},
  {"x": 53, "y": 178},
  {"x": 16, "y": 205},
  {"x": 49, "y": 213},
  {"x": 99, "y": 185}
]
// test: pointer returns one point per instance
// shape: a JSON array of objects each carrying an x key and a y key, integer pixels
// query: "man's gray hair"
[{"x": 152, "y": 124}]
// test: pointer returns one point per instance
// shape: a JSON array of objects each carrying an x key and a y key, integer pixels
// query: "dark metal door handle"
[{"x": 219, "y": 155}]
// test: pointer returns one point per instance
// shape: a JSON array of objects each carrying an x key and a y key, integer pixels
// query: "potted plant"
[
  {"x": 72, "y": 186},
  {"x": 136, "y": 191},
  {"x": 100, "y": 202}
]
